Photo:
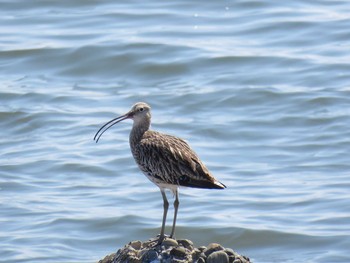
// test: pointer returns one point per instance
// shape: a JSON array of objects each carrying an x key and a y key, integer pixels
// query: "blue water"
[{"x": 260, "y": 90}]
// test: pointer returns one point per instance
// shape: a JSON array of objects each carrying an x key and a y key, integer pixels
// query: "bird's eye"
[{"x": 141, "y": 109}]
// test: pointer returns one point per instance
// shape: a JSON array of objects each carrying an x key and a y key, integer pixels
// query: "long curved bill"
[{"x": 109, "y": 125}]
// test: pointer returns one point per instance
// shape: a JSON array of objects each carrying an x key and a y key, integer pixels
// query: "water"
[{"x": 260, "y": 90}]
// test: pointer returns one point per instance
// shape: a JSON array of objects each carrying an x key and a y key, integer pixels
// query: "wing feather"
[{"x": 171, "y": 160}]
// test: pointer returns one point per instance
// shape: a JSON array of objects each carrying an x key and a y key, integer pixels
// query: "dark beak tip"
[{"x": 109, "y": 124}]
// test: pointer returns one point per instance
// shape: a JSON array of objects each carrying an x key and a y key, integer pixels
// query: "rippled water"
[{"x": 260, "y": 89}]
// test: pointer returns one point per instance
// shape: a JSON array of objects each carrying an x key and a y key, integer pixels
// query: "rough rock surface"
[{"x": 173, "y": 251}]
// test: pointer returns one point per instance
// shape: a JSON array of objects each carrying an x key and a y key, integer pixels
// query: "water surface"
[{"x": 259, "y": 89}]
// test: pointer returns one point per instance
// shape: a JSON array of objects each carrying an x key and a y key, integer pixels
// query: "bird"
[{"x": 166, "y": 160}]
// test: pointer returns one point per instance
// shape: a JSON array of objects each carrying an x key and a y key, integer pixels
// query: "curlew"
[{"x": 166, "y": 160}]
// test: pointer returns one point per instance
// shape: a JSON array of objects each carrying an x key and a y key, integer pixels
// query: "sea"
[{"x": 260, "y": 89}]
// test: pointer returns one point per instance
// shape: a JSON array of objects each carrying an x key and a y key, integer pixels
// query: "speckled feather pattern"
[{"x": 167, "y": 159}]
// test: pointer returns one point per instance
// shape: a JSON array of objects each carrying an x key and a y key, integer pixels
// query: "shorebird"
[{"x": 166, "y": 160}]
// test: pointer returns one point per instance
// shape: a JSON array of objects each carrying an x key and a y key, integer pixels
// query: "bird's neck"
[{"x": 138, "y": 130}]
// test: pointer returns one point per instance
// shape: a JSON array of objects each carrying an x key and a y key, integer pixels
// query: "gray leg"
[
  {"x": 176, "y": 206},
  {"x": 165, "y": 211}
]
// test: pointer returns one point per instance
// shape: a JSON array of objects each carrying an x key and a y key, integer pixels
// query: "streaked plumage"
[{"x": 166, "y": 160}]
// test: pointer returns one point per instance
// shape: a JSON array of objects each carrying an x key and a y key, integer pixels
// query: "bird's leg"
[
  {"x": 176, "y": 206},
  {"x": 165, "y": 211}
]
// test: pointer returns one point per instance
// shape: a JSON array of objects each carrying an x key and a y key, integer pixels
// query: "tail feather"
[
  {"x": 220, "y": 185},
  {"x": 203, "y": 184}
]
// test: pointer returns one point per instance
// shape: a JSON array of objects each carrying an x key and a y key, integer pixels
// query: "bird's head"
[{"x": 139, "y": 112}]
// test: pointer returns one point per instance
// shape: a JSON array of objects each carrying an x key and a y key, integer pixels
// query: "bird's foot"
[
  {"x": 160, "y": 239},
  {"x": 156, "y": 242}
]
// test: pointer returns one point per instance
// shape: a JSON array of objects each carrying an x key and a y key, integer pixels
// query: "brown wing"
[{"x": 171, "y": 160}]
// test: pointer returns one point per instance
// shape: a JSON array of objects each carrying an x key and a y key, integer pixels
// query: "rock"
[
  {"x": 165, "y": 256},
  {"x": 245, "y": 258},
  {"x": 229, "y": 252},
  {"x": 240, "y": 259},
  {"x": 218, "y": 257},
  {"x": 186, "y": 243},
  {"x": 149, "y": 256},
  {"x": 169, "y": 242},
  {"x": 201, "y": 248},
  {"x": 152, "y": 242},
  {"x": 202, "y": 255},
  {"x": 178, "y": 252},
  {"x": 136, "y": 244},
  {"x": 108, "y": 258},
  {"x": 174, "y": 260},
  {"x": 175, "y": 251},
  {"x": 212, "y": 248},
  {"x": 134, "y": 260},
  {"x": 196, "y": 254}
]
